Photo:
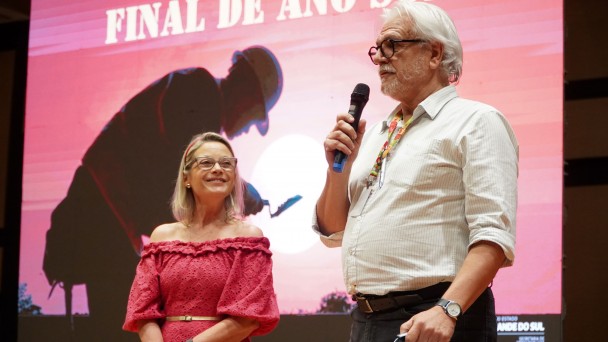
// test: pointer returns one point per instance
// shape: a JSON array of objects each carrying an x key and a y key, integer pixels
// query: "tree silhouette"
[
  {"x": 25, "y": 305},
  {"x": 336, "y": 302}
]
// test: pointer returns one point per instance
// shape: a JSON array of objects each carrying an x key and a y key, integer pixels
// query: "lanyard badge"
[{"x": 379, "y": 168}]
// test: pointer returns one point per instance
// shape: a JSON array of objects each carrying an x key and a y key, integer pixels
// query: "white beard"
[{"x": 403, "y": 80}]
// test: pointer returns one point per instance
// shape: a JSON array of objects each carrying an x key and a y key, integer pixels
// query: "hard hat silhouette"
[{"x": 269, "y": 77}]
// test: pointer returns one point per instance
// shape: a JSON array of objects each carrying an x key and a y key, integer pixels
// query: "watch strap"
[{"x": 444, "y": 303}]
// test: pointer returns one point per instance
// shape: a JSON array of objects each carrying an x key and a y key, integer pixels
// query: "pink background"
[{"x": 513, "y": 60}]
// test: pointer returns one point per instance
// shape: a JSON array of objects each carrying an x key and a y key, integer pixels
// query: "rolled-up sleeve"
[
  {"x": 333, "y": 240},
  {"x": 490, "y": 172}
]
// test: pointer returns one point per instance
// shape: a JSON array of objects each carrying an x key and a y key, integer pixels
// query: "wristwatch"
[{"x": 451, "y": 308}]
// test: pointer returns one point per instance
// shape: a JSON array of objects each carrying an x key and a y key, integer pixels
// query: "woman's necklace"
[
  {"x": 195, "y": 235},
  {"x": 199, "y": 233}
]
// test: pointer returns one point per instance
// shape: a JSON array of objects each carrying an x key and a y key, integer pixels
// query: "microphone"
[{"x": 358, "y": 100}]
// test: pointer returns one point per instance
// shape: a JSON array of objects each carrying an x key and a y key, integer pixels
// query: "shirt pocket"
[{"x": 419, "y": 164}]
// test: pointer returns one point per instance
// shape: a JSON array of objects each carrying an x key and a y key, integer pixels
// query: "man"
[
  {"x": 121, "y": 190},
  {"x": 425, "y": 208}
]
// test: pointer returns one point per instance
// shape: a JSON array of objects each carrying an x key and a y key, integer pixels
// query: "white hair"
[{"x": 433, "y": 24}]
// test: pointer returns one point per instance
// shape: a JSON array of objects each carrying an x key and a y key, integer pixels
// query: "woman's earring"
[{"x": 188, "y": 185}]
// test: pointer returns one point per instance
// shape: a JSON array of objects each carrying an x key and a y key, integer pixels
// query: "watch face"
[{"x": 453, "y": 309}]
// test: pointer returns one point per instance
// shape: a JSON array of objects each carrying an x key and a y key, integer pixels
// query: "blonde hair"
[{"x": 182, "y": 202}]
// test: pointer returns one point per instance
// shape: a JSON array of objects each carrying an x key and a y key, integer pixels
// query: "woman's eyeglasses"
[{"x": 207, "y": 163}]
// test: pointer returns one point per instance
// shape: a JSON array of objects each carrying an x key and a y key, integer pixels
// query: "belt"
[
  {"x": 395, "y": 300},
  {"x": 193, "y": 318}
]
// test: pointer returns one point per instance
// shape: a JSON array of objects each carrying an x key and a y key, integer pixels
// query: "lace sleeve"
[
  {"x": 249, "y": 290},
  {"x": 144, "y": 298}
]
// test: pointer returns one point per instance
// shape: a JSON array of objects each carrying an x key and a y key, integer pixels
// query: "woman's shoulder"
[
  {"x": 167, "y": 232},
  {"x": 246, "y": 229}
]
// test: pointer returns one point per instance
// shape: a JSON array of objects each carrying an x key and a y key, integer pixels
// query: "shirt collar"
[{"x": 432, "y": 105}]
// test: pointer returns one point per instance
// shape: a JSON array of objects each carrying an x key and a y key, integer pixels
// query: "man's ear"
[{"x": 436, "y": 54}]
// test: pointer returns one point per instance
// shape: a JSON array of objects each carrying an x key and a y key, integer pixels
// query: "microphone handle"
[{"x": 339, "y": 157}]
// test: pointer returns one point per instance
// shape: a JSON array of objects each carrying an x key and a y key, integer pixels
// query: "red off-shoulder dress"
[{"x": 221, "y": 277}]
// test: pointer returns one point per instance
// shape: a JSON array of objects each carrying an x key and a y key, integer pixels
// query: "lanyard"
[{"x": 380, "y": 165}]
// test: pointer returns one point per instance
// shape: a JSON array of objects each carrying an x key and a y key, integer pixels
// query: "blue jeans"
[{"x": 477, "y": 324}]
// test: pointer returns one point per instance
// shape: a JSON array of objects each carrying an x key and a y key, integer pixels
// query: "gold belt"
[{"x": 193, "y": 318}]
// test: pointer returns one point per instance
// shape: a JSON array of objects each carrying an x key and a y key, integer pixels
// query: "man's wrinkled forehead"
[{"x": 396, "y": 28}]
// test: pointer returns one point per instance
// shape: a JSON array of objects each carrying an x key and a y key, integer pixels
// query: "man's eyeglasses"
[
  {"x": 207, "y": 163},
  {"x": 387, "y": 47}
]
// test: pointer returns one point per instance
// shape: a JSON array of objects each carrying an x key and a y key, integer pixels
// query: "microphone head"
[{"x": 361, "y": 92}]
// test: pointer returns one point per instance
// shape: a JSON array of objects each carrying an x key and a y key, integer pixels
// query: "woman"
[{"x": 208, "y": 276}]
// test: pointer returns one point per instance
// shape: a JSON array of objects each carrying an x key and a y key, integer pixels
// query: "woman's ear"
[{"x": 186, "y": 181}]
